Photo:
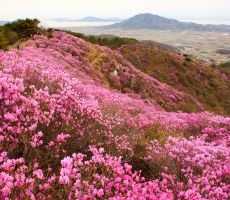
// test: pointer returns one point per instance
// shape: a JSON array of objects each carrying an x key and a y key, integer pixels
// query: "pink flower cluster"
[
  {"x": 14, "y": 177},
  {"x": 203, "y": 168},
  {"x": 63, "y": 137},
  {"x": 104, "y": 176},
  {"x": 83, "y": 134},
  {"x": 37, "y": 140}
]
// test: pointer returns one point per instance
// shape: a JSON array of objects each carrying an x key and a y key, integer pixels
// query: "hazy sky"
[{"x": 43, "y": 9}]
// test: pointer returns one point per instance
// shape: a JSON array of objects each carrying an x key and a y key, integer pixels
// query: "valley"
[{"x": 201, "y": 45}]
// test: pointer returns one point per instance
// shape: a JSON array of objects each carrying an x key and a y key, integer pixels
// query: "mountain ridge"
[
  {"x": 88, "y": 19},
  {"x": 150, "y": 21},
  {"x": 3, "y": 23}
]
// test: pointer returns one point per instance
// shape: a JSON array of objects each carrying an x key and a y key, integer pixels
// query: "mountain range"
[
  {"x": 150, "y": 21},
  {"x": 88, "y": 19},
  {"x": 3, "y": 22}
]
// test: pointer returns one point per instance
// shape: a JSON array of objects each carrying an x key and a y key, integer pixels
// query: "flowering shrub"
[
  {"x": 104, "y": 176},
  {"x": 65, "y": 134},
  {"x": 37, "y": 140},
  {"x": 201, "y": 170}
]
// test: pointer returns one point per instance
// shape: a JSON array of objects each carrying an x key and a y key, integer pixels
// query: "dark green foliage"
[
  {"x": 188, "y": 59},
  {"x": 50, "y": 36},
  {"x": 80, "y": 35},
  {"x": 111, "y": 42},
  {"x": 19, "y": 30},
  {"x": 227, "y": 64},
  {"x": 24, "y": 28}
]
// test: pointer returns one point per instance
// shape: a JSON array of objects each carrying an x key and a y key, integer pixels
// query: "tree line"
[{"x": 19, "y": 30}]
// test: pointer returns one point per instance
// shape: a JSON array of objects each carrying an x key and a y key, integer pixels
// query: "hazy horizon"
[
  {"x": 76, "y": 9},
  {"x": 73, "y": 22},
  {"x": 62, "y": 24}
]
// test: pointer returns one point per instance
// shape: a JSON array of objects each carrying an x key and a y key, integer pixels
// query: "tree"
[
  {"x": 25, "y": 28},
  {"x": 21, "y": 29}
]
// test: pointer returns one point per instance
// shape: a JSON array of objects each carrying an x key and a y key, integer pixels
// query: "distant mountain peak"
[
  {"x": 91, "y": 19},
  {"x": 3, "y": 22},
  {"x": 151, "y": 21},
  {"x": 88, "y": 19},
  {"x": 97, "y": 19}
]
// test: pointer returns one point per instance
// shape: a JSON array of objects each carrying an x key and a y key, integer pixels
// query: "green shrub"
[
  {"x": 188, "y": 59},
  {"x": 111, "y": 42},
  {"x": 49, "y": 36}
]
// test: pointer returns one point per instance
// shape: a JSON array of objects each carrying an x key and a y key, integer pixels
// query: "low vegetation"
[
  {"x": 208, "y": 84},
  {"x": 78, "y": 121}
]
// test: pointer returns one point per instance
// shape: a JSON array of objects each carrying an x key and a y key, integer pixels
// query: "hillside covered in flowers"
[{"x": 79, "y": 121}]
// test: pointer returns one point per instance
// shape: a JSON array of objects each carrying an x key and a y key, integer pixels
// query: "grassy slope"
[
  {"x": 115, "y": 72},
  {"x": 208, "y": 84}
]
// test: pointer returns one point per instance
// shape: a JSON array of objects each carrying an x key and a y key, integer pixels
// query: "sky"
[{"x": 75, "y": 9}]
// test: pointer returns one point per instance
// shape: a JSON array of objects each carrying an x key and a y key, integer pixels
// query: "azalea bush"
[
  {"x": 66, "y": 134},
  {"x": 195, "y": 168}
]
